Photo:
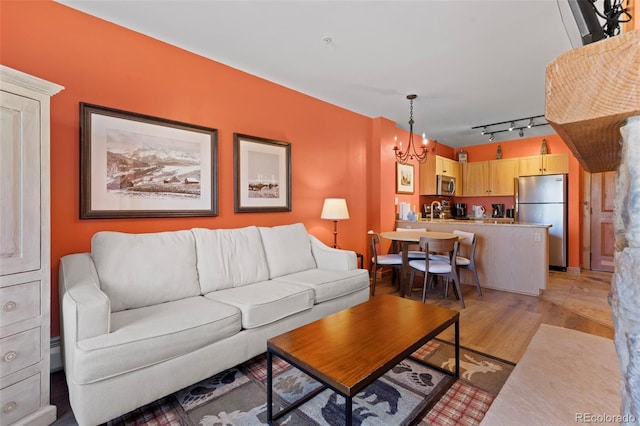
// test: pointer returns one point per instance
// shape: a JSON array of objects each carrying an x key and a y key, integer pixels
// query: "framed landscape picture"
[
  {"x": 262, "y": 174},
  {"x": 404, "y": 178},
  {"x": 135, "y": 165}
]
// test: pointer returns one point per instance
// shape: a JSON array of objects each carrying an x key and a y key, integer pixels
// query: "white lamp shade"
[{"x": 335, "y": 209}]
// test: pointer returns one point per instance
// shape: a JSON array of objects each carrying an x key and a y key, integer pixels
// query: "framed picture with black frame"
[
  {"x": 262, "y": 174},
  {"x": 134, "y": 165}
]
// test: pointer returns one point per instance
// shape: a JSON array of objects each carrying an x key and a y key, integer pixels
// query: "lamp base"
[{"x": 335, "y": 234}]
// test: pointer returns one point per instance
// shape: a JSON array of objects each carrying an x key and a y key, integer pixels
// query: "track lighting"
[{"x": 519, "y": 124}]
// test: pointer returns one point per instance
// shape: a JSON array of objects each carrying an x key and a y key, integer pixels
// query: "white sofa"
[{"x": 144, "y": 315}]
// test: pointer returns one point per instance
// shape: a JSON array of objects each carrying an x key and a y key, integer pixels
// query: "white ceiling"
[{"x": 470, "y": 62}]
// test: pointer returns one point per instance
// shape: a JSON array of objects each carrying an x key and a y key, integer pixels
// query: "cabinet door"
[
  {"x": 427, "y": 172},
  {"x": 445, "y": 166},
  {"x": 456, "y": 173},
  {"x": 530, "y": 166},
  {"x": 19, "y": 184},
  {"x": 475, "y": 179},
  {"x": 553, "y": 164},
  {"x": 502, "y": 174}
]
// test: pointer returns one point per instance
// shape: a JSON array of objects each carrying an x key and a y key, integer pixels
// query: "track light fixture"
[
  {"x": 411, "y": 152},
  {"x": 519, "y": 124}
]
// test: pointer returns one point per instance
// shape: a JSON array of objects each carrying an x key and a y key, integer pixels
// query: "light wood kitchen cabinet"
[
  {"x": 25, "y": 265},
  {"x": 501, "y": 176},
  {"x": 436, "y": 165},
  {"x": 489, "y": 178},
  {"x": 475, "y": 179},
  {"x": 547, "y": 164}
]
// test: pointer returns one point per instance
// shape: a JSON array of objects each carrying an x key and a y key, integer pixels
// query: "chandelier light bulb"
[
  {"x": 512, "y": 126},
  {"x": 530, "y": 125}
]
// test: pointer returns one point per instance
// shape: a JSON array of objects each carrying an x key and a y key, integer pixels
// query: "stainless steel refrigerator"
[{"x": 543, "y": 199}]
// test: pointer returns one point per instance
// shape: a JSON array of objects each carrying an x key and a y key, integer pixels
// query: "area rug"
[{"x": 237, "y": 396}]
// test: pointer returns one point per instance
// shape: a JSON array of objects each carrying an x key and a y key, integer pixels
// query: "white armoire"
[{"x": 25, "y": 266}]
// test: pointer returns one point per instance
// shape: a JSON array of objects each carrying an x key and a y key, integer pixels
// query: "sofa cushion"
[
  {"x": 153, "y": 334},
  {"x": 229, "y": 258},
  {"x": 288, "y": 249},
  {"x": 328, "y": 284},
  {"x": 266, "y": 302},
  {"x": 139, "y": 270}
]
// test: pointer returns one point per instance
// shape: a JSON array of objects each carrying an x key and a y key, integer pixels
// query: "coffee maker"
[
  {"x": 459, "y": 210},
  {"x": 498, "y": 210}
]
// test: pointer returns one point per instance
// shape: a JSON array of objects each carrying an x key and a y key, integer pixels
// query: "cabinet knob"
[
  {"x": 9, "y": 306},
  {"x": 9, "y": 407},
  {"x": 10, "y": 356}
]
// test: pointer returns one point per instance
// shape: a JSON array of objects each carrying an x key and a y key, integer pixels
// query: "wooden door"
[
  {"x": 553, "y": 164},
  {"x": 502, "y": 174},
  {"x": 603, "y": 191}
]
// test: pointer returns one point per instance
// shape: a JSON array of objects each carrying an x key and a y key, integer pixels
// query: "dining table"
[{"x": 411, "y": 237}]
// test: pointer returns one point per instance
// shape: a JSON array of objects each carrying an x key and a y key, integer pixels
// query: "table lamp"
[{"x": 335, "y": 209}]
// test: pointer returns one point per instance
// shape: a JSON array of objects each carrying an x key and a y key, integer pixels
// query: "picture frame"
[
  {"x": 405, "y": 178},
  {"x": 134, "y": 165},
  {"x": 262, "y": 174}
]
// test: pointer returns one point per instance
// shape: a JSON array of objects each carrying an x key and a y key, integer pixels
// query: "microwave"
[{"x": 445, "y": 185}]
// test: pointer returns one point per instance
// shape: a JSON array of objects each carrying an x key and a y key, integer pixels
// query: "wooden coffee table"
[{"x": 349, "y": 350}]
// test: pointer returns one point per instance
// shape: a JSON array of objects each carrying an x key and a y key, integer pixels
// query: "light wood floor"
[{"x": 502, "y": 323}]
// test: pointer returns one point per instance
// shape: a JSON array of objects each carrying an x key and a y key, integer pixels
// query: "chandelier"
[{"x": 411, "y": 152}]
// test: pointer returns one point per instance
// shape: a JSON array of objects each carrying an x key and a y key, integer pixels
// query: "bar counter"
[{"x": 509, "y": 256}]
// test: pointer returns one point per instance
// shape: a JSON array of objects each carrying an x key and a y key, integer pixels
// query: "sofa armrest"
[
  {"x": 86, "y": 310},
  {"x": 333, "y": 259}
]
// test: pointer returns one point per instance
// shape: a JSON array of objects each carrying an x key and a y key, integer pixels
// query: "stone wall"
[{"x": 625, "y": 289}]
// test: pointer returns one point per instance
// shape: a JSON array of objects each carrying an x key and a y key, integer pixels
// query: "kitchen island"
[{"x": 509, "y": 256}]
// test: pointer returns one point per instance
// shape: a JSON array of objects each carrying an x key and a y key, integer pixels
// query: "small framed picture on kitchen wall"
[{"x": 404, "y": 179}]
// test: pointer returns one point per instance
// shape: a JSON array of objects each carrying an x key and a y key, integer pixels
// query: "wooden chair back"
[{"x": 440, "y": 245}]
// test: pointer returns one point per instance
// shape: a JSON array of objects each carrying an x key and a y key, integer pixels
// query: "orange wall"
[
  {"x": 101, "y": 63},
  {"x": 531, "y": 146},
  {"x": 335, "y": 152}
]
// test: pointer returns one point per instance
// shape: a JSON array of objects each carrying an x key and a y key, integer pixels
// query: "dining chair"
[
  {"x": 379, "y": 261},
  {"x": 444, "y": 267},
  {"x": 413, "y": 253},
  {"x": 469, "y": 241}
]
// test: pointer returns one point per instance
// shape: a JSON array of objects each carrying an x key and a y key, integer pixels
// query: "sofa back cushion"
[
  {"x": 137, "y": 270},
  {"x": 229, "y": 258},
  {"x": 288, "y": 249}
]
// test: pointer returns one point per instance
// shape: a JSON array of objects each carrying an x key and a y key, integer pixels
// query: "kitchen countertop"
[{"x": 482, "y": 222}]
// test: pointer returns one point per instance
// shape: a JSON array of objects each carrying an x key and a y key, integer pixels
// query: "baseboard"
[
  {"x": 55, "y": 355},
  {"x": 573, "y": 269}
]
